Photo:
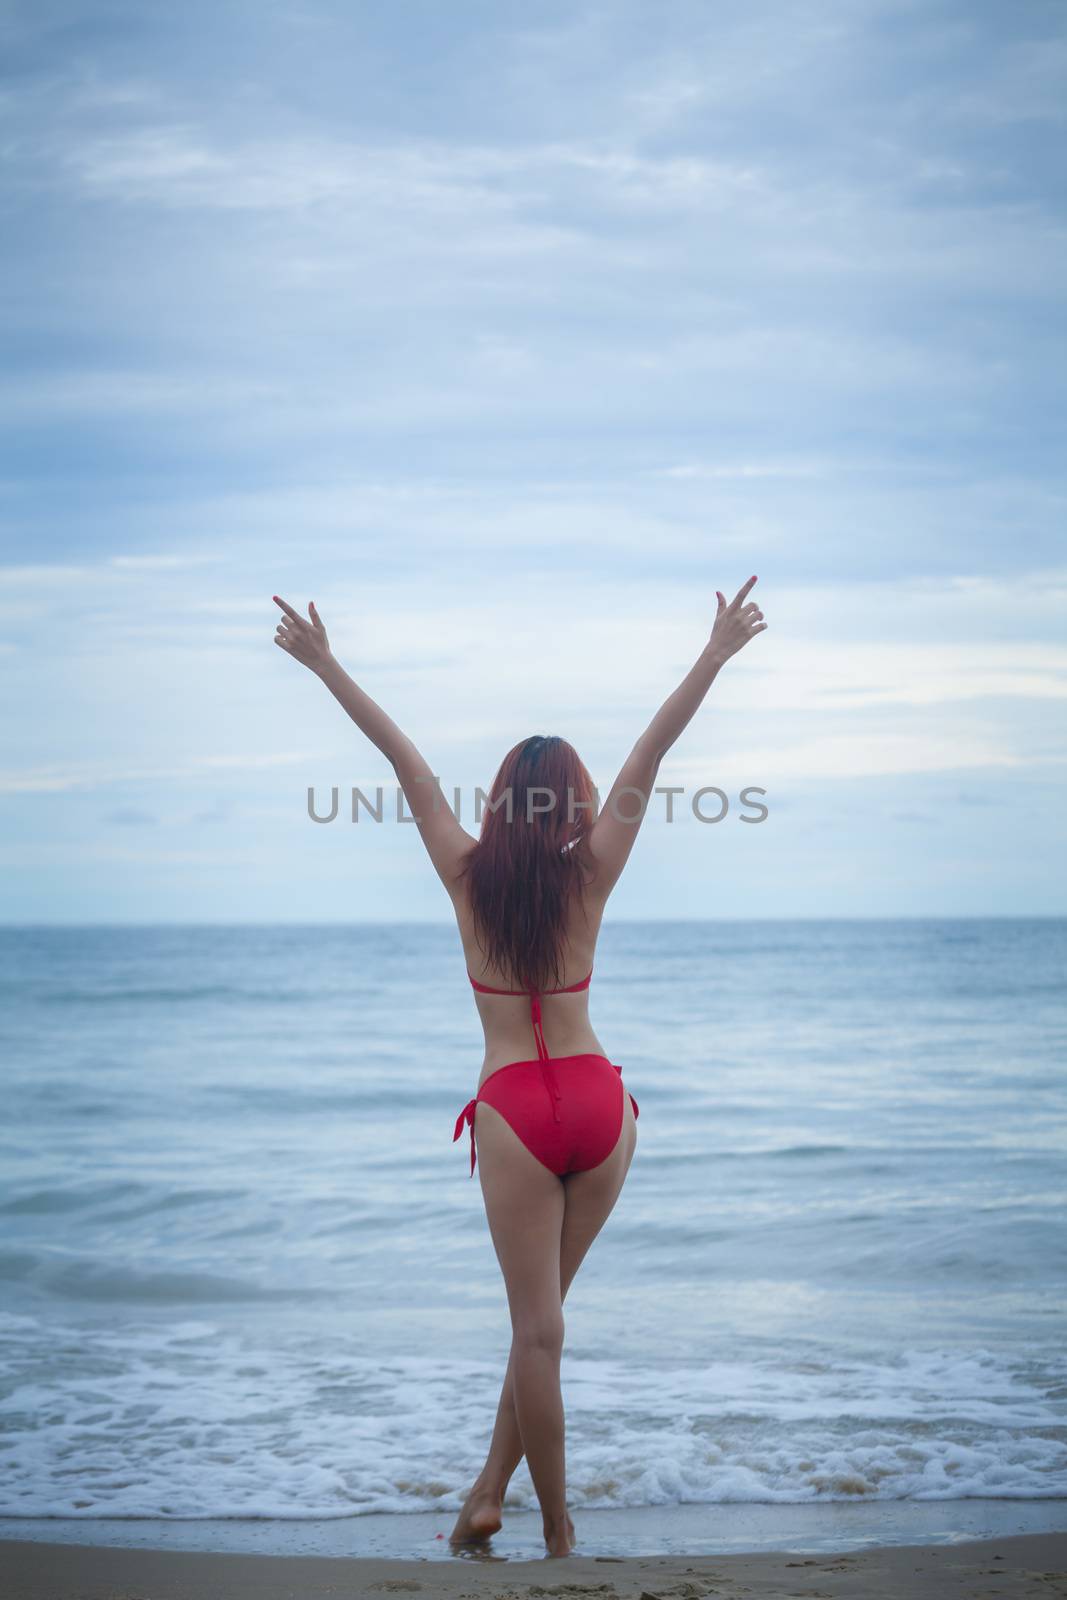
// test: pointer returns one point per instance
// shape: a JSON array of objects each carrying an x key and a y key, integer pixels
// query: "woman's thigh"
[
  {"x": 524, "y": 1205},
  {"x": 543, "y": 1225},
  {"x": 590, "y": 1196}
]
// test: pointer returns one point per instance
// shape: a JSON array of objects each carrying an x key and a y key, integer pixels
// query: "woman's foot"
[
  {"x": 560, "y": 1540},
  {"x": 481, "y": 1517}
]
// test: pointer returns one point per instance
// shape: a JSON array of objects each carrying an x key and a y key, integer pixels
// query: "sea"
[{"x": 246, "y": 1279}]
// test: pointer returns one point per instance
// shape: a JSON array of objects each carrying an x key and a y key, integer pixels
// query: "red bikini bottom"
[{"x": 569, "y": 1119}]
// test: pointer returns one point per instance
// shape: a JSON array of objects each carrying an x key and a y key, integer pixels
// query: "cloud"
[
  {"x": 823, "y": 757},
  {"x": 58, "y": 394},
  {"x": 213, "y": 814},
  {"x": 926, "y": 674},
  {"x": 130, "y": 817},
  {"x": 163, "y": 562},
  {"x": 746, "y": 469},
  {"x": 96, "y": 775},
  {"x": 137, "y": 817},
  {"x": 511, "y": 342}
]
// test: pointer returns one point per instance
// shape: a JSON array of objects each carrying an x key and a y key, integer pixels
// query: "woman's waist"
[
  {"x": 505, "y": 1047},
  {"x": 552, "y": 1068}
]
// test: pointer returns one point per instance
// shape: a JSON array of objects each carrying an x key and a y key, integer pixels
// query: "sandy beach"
[{"x": 1020, "y": 1566}]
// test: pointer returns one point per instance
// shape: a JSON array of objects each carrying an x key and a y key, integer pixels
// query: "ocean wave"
[
  {"x": 159, "y": 994},
  {"x": 198, "y": 1421},
  {"x": 81, "y": 1278},
  {"x": 53, "y": 1201}
]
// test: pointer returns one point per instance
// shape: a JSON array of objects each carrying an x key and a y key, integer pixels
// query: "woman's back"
[{"x": 507, "y": 1018}]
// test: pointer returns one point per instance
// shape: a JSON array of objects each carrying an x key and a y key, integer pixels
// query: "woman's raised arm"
[
  {"x": 445, "y": 839},
  {"x": 613, "y": 833}
]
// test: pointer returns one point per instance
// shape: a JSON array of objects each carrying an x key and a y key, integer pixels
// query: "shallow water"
[{"x": 246, "y": 1273}]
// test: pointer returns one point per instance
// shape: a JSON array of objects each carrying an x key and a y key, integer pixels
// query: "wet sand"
[{"x": 1025, "y": 1565}]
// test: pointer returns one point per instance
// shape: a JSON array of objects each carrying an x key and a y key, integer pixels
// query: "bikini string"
[{"x": 543, "y": 1056}]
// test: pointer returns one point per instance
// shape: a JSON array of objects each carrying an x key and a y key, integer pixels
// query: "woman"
[{"x": 555, "y": 1129}]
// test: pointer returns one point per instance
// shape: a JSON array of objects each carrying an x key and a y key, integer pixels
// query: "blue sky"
[{"x": 508, "y": 334}]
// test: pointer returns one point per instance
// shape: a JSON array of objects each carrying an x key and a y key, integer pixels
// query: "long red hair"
[{"x": 523, "y": 874}]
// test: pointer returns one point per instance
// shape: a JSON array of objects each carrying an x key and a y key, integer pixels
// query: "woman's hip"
[{"x": 568, "y": 1110}]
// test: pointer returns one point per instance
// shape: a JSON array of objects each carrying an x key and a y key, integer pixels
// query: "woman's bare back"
[{"x": 565, "y": 1017}]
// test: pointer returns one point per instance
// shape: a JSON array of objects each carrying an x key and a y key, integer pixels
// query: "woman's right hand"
[
  {"x": 735, "y": 624},
  {"x": 305, "y": 641}
]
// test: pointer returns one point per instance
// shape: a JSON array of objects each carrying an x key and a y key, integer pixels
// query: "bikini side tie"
[{"x": 467, "y": 1115}]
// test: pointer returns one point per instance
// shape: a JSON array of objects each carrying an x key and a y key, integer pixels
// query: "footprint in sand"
[{"x": 571, "y": 1591}]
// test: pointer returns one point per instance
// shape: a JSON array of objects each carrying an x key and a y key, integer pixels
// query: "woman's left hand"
[
  {"x": 735, "y": 624},
  {"x": 305, "y": 640}
]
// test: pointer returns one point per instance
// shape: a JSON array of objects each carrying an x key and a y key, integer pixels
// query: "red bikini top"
[{"x": 535, "y": 1005}]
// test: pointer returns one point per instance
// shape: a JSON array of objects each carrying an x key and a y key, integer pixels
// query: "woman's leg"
[
  {"x": 589, "y": 1198},
  {"x": 524, "y": 1204},
  {"x": 505, "y": 1449}
]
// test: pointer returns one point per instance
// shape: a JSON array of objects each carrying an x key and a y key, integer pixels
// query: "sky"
[{"x": 508, "y": 334}]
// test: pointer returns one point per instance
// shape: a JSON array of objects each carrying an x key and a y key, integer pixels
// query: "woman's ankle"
[{"x": 489, "y": 1489}]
